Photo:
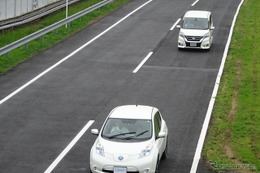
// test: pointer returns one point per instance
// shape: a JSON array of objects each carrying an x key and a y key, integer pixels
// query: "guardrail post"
[{"x": 26, "y": 46}]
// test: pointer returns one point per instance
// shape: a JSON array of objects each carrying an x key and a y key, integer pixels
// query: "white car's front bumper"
[{"x": 104, "y": 164}]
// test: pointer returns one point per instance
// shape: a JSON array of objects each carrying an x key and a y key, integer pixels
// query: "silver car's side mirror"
[
  {"x": 94, "y": 131},
  {"x": 178, "y": 26},
  {"x": 212, "y": 28}
]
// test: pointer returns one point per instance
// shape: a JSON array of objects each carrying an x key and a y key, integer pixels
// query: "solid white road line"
[
  {"x": 70, "y": 55},
  {"x": 174, "y": 25},
  {"x": 194, "y": 3},
  {"x": 142, "y": 63},
  {"x": 203, "y": 133},
  {"x": 67, "y": 149}
]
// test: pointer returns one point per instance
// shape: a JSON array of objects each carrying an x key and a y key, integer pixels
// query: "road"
[{"x": 56, "y": 93}]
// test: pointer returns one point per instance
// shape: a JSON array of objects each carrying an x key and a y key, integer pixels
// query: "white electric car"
[
  {"x": 133, "y": 139},
  {"x": 196, "y": 30}
]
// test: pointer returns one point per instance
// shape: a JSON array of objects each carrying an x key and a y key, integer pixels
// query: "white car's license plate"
[
  {"x": 120, "y": 170},
  {"x": 193, "y": 44}
]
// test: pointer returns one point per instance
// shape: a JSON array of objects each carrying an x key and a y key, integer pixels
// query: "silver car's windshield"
[
  {"x": 127, "y": 129},
  {"x": 195, "y": 23}
]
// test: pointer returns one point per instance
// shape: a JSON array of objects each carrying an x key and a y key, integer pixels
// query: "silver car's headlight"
[
  {"x": 100, "y": 149},
  {"x": 181, "y": 34},
  {"x": 146, "y": 151}
]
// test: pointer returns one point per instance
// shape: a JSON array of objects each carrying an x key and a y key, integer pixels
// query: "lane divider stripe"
[
  {"x": 68, "y": 148},
  {"x": 142, "y": 63},
  {"x": 174, "y": 25},
  {"x": 194, "y": 3}
]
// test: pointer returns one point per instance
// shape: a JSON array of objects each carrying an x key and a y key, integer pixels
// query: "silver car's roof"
[{"x": 197, "y": 13}]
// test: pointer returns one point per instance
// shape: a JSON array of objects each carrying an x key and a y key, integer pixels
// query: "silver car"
[{"x": 196, "y": 30}]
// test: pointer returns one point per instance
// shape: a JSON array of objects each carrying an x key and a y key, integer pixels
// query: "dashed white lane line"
[
  {"x": 70, "y": 55},
  {"x": 174, "y": 25},
  {"x": 150, "y": 54},
  {"x": 142, "y": 63},
  {"x": 194, "y": 3},
  {"x": 75, "y": 140},
  {"x": 68, "y": 148},
  {"x": 204, "y": 129}
]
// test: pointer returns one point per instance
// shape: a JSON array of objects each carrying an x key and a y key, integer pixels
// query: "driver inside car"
[{"x": 118, "y": 127}]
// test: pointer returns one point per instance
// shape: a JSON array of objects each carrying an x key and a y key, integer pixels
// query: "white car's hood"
[
  {"x": 194, "y": 32},
  {"x": 126, "y": 150}
]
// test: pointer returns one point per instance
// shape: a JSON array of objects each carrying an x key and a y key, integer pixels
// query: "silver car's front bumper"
[{"x": 203, "y": 43}]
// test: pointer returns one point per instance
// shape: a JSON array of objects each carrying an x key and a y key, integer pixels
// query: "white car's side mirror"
[
  {"x": 212, "y": 27},
  {"x": 178, "y": 26},
  {"x": 161, "y": 135},
  {"x": 94, "y": 131}
]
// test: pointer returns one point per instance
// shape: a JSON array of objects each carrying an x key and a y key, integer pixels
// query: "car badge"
[
  {"x": 120, "y": 157},
  {"x": 193, "y": 38}
]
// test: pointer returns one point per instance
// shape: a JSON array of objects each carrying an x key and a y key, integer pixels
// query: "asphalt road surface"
[{"x": 48, "y": 107}]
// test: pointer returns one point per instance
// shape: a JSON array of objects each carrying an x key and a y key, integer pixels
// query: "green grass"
[
  {"x": 234, "y": 133},
  {"x": 21, "y": 54}
]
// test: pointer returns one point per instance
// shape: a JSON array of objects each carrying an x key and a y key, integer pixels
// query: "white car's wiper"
[
  {"x": 139, "y": 134},
  {"x": 126, "y": 133}
]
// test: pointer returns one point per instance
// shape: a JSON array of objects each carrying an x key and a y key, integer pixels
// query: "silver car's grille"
[
  {"x": 193, "y": 38},
  {"x": 108, "y": 171}
]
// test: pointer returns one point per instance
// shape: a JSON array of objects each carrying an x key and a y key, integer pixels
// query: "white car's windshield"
[
  {"x": 127, "y": 129},
  {"x": 195, "y": 23}
]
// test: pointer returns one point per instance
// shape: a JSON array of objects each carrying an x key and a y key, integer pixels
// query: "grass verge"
[
  {"x": 233, "y": 140},
  {"x": 25, "y": 52}
]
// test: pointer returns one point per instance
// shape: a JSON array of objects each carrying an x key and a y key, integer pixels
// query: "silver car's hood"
[{"x": 193, "y": 32}]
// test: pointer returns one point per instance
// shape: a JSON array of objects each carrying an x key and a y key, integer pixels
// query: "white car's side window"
[{"x": 157, "y": 123}]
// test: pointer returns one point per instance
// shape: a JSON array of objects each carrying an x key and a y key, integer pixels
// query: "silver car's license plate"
[
  {"x": 193, "y": 44},
  {"x": 120, "y": 170}
]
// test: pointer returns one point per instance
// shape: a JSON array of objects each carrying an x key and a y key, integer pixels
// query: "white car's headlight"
[
  {"x": 206, "y": 35},
  {"x": 146, "y": 151},
  {"x": 100, "y": 149}
]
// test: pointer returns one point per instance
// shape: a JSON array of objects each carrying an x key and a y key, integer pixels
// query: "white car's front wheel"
[
  {"x": 164, "y": 155},
  {"x": 157, "y": 166}
]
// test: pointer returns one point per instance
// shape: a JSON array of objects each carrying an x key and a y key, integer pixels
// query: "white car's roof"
[
  {"x": 133, "y": 112},
  {"x": 197, "y": 13}
]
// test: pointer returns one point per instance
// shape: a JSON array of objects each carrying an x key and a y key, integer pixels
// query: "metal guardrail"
[
  {"x": 50, "y": 28},
  {"x": 34, "y": 15}
]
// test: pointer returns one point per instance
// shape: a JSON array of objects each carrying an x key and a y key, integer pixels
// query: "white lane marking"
[
  {"x": 70, "y": 55},
  {"x": 174, "y": 25},
  {"x": 142, "y": 63},
  {"x": 67, "y": 149},
  {"x": 204, "y": 129},
  {"x": 194, "y": 3}
]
